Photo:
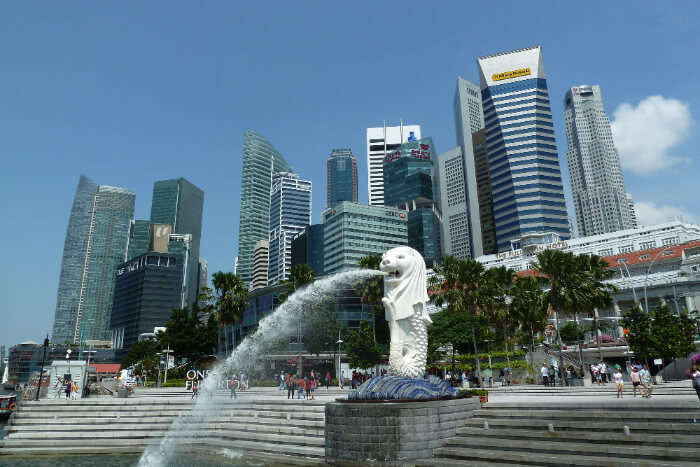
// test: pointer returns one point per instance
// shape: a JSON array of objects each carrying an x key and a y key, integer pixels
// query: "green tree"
[
  {"x": 499, "y": 281},
  {"x": 572, "y": 332},
  {"x": 140, "y": 351},
  {"x": 231, "y": 299},
  {"x": 529, "y": 307},
  {"x": 371, "y": 292},
  {"x": 188, "y": 336},
  {"x": 449, "y": 328},
  {"x": 321, "y": 328},
  {"x": 463, "y": 286},
  {"x": 672, "y": 335},
  {"x": 361, "y": 349},
  {"x": 638, "y": 326}
]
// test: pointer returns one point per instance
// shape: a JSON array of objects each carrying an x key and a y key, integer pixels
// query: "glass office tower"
[
  {"x": 526, "y": 184},
  {"x": 96, "y": 242},
  {"x": 179, "y": 203},
  {"x": 290, "y": 213},
  {"x": 410, "y": 184},
  {"x": 260, "y": 162},
  {"x": 139, "y": 238},
  {"x": 341, "y": 177}
]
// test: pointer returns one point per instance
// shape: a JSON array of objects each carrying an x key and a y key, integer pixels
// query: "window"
[
  {"x": 670, "y": 241},
  {"x": 621, "y": 260},
  {"x": 606, "y": 252},
  {"x": 626, "y": 249},
  {"x": 643, "y": 257},
  {"x": 667, "y": 253},
  {"x": 647, "y": 245}
]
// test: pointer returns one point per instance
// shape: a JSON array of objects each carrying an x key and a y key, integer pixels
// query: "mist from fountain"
[{"x": 277, "y": 325}]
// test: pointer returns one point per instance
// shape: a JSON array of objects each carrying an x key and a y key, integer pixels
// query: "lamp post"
[
  {"x": 68, "y": 352},
  {"x": 167, "y": 362},
  {"x": 634, "y": 291},
  {"x": 159, "y": 363},
  {"x": 41, "y": 373},
  {"x": 338, "y": 370},
  {"x": 646, "y": 277}
]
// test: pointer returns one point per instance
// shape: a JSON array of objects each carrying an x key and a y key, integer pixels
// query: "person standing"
[
  {"x": 603, "y": 371},
  {"x": 281, "y": 380},
  {"x": 646, "y": 380},
  {"x": 291, "y": 387},
  {"x": 552, "y": 375},
  {"x": 328, "y": 379},
  {"x": 636, "y": 382},
  {"x": 618, "y": 381},
  {"x": 195, "y": 388},
  {"x": 312, "y": 385},
  {"x": 695, "y": 374},
  {"x": 68, "y": 388},
  {"x": 545, "y": 374}
]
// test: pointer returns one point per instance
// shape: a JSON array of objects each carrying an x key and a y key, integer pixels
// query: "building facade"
[
  {"x": 597, "y": 184},
  {"x": 341, "y": 177},
  {"x": 483, "y": 184},
  {"x": 410, "y": 184},
  {"x": 260, "y": 264},
  {"x": 180, "y": 204},
  {"x": 290, "y": 213},
  {"x": 148, "y": 288},
  {"x": 96, "y": 242},
  {"x": 380, "y": 142},
  {"x": 633, "y": 213},
  {"x": 351, "y": 231},
  {"x": 455, "y": 230},
  {"x": 139, "y": 238},
  {"x": 260, "y": 162},
  {"x": 469, "y": 118},
  {"x": 307, "y": 248},
  {"x": 528, "y": 194}
]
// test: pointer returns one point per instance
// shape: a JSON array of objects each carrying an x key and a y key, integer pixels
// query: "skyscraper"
[
  {"x": 410, "y": 184},
  {"x": 483, "y": 188},
  {"x": 341, "y": 177},
  {"x": 290, "y": 213},
  {"x": 633, "y": 213},
  {"x": 381, "y": 141},
  {"x": 96, "y": 242},
  {"x": 179, "y": 203},
  {"x": 260, "y": 162},
  {"x": 528, "y": 194},
  {"x": 139, "y": 238},
  {"x": 261, "y": 260},
  {"x": 597, "y": 185}
]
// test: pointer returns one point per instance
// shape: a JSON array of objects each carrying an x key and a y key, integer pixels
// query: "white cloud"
[
  {"x": 644, "y": 134},
  {"x": 649, "y": 213}
]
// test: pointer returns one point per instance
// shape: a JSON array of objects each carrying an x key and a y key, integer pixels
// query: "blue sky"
[{"x": 132, "y": 92}]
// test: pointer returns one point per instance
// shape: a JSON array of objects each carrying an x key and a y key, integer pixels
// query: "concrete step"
[
  {"x": 233, "y": 411},
  {"x": 312, "y": 406},
  {"x": 631, "y": 416},
  {"x": 591, "y": 436},
  {"x": 564, "y": 447},
  {"x": 587, "y": 425},
  {"x": 440, "y": 462},
  {"x": 547, "y": 459}
]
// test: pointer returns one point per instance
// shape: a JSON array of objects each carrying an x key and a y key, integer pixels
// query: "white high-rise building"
[
  {"x": 633, "y": 213},
  {"x": 260, "y": 264},
  {"x": 381, "y": 141},
  {"x": 290, "y": 213},
  {"x": 598, "y": 188},
  {"x": 459, "y": 197}
]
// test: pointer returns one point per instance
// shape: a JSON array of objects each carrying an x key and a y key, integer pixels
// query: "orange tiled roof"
[{"x": 647, "y": 256}]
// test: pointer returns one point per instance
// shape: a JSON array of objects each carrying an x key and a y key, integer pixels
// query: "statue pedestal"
[{"x": 392, "y": 432}]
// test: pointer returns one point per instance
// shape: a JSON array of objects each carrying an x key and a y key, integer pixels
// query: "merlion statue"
[{"x": 405, "y": 297}]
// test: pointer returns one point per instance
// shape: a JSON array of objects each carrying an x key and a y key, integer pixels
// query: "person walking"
[
  {"x": 195, "y": 389},
  {"x": 68, "y": 388},
  {"x": 618, "y": 381},
  {"x": 636, "y": 382},
  {"x": 646, "y": 380},
  {"x": 291, "y": 386},
  {"x": 603, "y": 371},
  {"x": 312, "y": 385},
  {"x": 545, "y": 374},
  {"x": 281, "y": 380},
  {"x": 695, "y": 374},
  {"x": 328, "y": 379},
  {"x": 233, "y": 384}
]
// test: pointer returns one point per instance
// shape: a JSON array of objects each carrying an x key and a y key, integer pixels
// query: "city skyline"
[{"x": 177, "y": 111}]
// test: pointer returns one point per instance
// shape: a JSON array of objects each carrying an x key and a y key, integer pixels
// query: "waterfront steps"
[
  {"x": 661, "y": 433},
  {"x": 100, "y": 426}
]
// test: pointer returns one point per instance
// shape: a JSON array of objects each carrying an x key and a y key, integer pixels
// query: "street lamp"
[
  {"x": 634, "y": 291},
  {"x": 41, "y": 373},
  {"x": 68, "y": 352},
  {"x": 167, "y": 361},
  {"x": 338, "y": 370},
  {"x": 646, "y": 277}
]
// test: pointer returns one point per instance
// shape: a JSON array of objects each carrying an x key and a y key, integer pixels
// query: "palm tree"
[
  {"x": 499, "y": 282},
  {"x": 371, "y": 293},
  {"x": 231, "y": 298},
  {"x": 462, "y": 284},
  {"x": 529, "y": 308}
]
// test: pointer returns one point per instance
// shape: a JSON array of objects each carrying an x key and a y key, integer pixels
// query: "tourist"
[
  {"x": 300, "y": 387},
  {"x": 194, "y": 388},
  {"x": 603, "y": 371},
  {"x": 695, "y": 375},
  {"x": 618, "y": 381},
  {"x": 552, "y": 375},
  {"x": 233, "y": 384},
  {"x": 545, "y": 374},
  {"x": 68, "y": 388},
  {"x": 281, "y": 380},
  {"x": 291, "y": 386},
  {"x": 74, "y": 391},
  {"x": 636, "y": 382},
  {"x": 646, "y": 380},
  {"x": 341, "y": 380},
  {"x": 328, "y": 379},
  {"x": 312, "y": 385}
]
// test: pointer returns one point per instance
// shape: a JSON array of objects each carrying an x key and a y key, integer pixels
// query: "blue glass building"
[
  {"x": 307, "y": 248},
  {"x": 528, "y": 194},
  {"x": 409, "y": 184},
  {"x": 96, "y": 242},
  {"x": 341, "y": 173}
]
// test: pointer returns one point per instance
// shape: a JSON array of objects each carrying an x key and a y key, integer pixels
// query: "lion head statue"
[{"x": 405, "y": 279}]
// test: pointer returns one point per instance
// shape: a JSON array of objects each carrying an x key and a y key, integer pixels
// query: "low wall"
[{"x": 392, "y": 432}]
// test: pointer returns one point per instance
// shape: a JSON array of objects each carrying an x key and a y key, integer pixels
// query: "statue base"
[{"x": 386, "y": 388}]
